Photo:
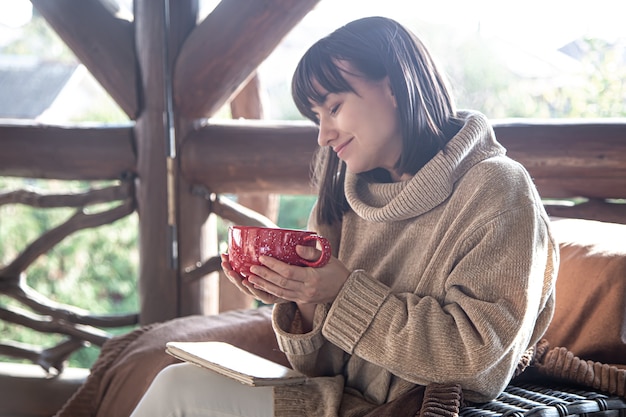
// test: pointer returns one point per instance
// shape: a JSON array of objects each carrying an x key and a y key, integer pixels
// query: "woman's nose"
[{"x": 326, "y": 133}]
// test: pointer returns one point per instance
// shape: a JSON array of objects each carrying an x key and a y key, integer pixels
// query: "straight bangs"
[{"x": 315, "y": 76}]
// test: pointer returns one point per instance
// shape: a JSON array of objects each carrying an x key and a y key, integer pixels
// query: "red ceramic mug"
[{"x": 247, "y": 243}]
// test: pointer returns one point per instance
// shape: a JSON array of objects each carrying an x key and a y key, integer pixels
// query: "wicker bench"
[{"x": 532, "y": 400}]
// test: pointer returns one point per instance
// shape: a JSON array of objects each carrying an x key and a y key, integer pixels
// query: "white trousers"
[{"x": 185, "y": 390}]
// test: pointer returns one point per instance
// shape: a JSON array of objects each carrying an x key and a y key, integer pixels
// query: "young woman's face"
[{"x": 362, "y": 127}]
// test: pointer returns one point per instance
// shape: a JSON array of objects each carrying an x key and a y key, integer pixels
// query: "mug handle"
[{"x": 326, "y": 252}]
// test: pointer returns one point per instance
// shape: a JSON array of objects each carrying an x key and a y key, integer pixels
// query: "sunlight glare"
[{"x": 15, "y": 13}]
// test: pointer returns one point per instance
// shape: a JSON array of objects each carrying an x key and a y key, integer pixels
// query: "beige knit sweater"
[{"x": 453, "y": 279}]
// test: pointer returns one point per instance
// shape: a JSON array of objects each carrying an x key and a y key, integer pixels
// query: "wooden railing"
[
  {"x": 77, "y": 325},
  {"x": 47, "y": 316}
]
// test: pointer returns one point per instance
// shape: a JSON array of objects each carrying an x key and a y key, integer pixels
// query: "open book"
[{"x": 235, "y": 363}]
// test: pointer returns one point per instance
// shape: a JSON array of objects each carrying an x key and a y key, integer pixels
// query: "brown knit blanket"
[
  {"x": 128, "y": 363},
  {"x": 561, "y": 365}
]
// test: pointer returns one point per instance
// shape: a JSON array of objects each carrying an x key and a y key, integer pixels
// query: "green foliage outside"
[
  {"x": 604, "y": 93},
  {"x": 594, "y": 87},
  {"x": 94, "y": 269},
  {"x": 294, "y": 210}
]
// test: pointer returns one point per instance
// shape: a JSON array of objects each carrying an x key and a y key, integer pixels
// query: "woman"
[{"x": 444, "y": 266}]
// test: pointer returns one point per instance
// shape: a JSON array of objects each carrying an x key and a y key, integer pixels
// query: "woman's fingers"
[
  {"x": 245, "y": 286},
  {"x": 299, "y": 284},
  {"x": 278, "y": 278},
  {"x": 277, "y": 270},
  {"x": 308, "y": 252},
  {"x": 264, "y": 296},
  {"x": 237, "y": 280}
]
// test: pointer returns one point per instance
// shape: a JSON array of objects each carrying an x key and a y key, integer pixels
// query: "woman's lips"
[{"x": 339, "y": 149}]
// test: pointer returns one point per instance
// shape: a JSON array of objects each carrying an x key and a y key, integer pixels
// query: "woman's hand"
[
  {"x": 245, "y": 286},
  {"x": 303, "y": 285}
]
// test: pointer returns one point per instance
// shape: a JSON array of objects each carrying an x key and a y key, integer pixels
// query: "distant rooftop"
[{"x": 29, "y": 86}]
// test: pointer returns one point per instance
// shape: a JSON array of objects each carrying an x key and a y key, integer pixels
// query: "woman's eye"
[{"x": 334, "y": 109}]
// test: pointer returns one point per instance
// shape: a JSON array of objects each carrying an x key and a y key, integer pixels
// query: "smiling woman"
[
  {"x": 439, "y": 243},
  {"x": 368, "y": 116}
]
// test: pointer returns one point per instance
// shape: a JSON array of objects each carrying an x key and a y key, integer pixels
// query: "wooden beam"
[
  {"x": 249, "y": 156},
  {"x": 102, "y": 42},
  {"x": 67, "y": 153},
  {"x": 570, "y": 157},
  {"x": 222, "y": 52},
  {"x": 248, "y": 104},
  {"x": 183, "y": 15},
  {"x": 601, "y": 210},
  {"x": 565, "y": 158}
]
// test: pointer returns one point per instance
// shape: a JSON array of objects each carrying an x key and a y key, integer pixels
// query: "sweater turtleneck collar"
[{"x": 433, "y": 183}]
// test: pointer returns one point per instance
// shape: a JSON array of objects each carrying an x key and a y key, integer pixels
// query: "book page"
[{"x": 235, "y": 363}]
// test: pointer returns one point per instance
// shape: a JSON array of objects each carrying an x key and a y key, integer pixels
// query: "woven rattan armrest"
[{"x": 532, "y": 400}]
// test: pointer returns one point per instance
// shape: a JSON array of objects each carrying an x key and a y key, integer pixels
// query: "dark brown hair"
[{"x": 376, "y": 47}]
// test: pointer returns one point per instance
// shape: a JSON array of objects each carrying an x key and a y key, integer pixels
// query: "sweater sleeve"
[
  {"x": 309, "y": 352},
  {"x": 354, "y": 309},
  {"x": 318, "y": 397}
]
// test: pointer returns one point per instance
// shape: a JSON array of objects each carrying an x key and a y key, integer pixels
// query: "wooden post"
[
  {"x": 158, "y": 36},
  {"x": 188, "y": 211},
  {"x": 206, "y": 75},
  {"x": 247, "y": 105}
]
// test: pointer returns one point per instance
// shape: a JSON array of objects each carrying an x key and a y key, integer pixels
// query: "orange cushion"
[{"x": 590, "y": 314}]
